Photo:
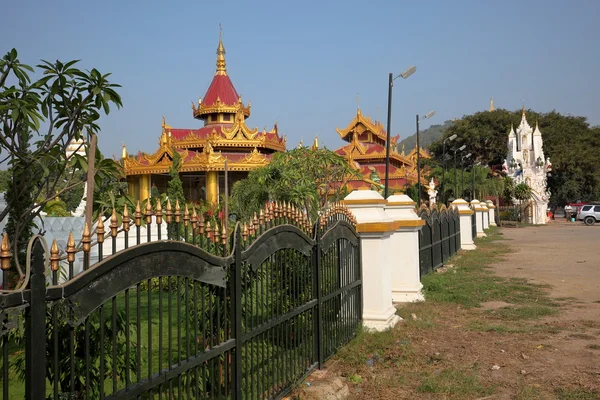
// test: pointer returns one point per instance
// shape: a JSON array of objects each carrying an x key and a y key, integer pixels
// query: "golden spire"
[
  {"x": 315, "y": 145},
  {"x": 403, "y": 153},
  {"x": 124, "y": 151},
  {"x": 492, "y": 104},
  {"x": 221, "y": 69}
]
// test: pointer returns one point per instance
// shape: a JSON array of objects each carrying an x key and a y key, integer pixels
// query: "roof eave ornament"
[{"x": 221, "y": 64}]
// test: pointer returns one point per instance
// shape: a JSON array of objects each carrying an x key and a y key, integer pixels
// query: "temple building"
[
  {"x": 224, "y": 141},
  {"x": 527, "y": 164},
  {"x": 366, "y": 150}
]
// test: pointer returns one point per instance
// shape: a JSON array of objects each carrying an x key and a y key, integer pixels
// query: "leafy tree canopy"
[
  {"x": 306, "y": 177},
  {"x": 569, "y": 141}
]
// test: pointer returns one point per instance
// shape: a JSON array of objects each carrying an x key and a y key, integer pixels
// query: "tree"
[
  {"x": 569, "y": 141},
  {"x": 309, "y": 178},
  {"x": 5, "y": 176},
  {"x": 38, "y": 120},
  {"x": 175, "y": 188}
]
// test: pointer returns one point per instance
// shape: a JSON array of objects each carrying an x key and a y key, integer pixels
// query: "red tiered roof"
[{"x": 222, "y": 88}]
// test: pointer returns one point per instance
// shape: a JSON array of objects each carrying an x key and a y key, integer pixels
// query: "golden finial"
[
  {"x": 261, "y": 217},
  {"x": 194, "y": 219},
  {"x": 201, "y": 223},
  {"x": 245, "y": 232},
  {"x": 86, "y": 239},
  {"x": 123, "y": 151},
  {"x": 492, "y": 104},
  {"x": 208, "y": 230},
  {"x": 138, "y": 214},
  {"x": 148, "y": 212},
  {"x": 255, "y": 222},
  {"x": 221, "y": 65},
  {"x": 5, "y": 255},
  {"x": 186, "y": 216},
  {"x": 358, "y": 102},
  {"x": 224, "y": 235},
  {"x": 169, "y": 212},
  {"x": 158, "y": 212},
  {"x": 126, "y": 220},
  {"x": 403, "y": 153},
  {"x": 216, "y": 233},
  {"x": 177, "y": 213},
  {"x": 114, "y": 224},
  {"x": 315, "y": 145},
  {"x": 523, "y": 109},
  {"x": 71, "y": 248},
  {"x": 100, "y": 229},
  {"x": 54, "y": 256}
]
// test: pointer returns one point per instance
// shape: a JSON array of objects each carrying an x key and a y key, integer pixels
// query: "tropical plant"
[{"x": 522, "y": 192}]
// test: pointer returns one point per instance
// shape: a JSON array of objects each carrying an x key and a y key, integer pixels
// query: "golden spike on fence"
[
  {"x": 54, "y": 256},
  {"x": 87, "y": 238},
  {"x": 125, "y": 220},
  {"x": 169, "y": 212},
  {"x": 138, "y": 214},
  {"x": 158, "y": 212},
  {"x": 100, "y": 229},
  {"x": 186, "y": 216},
  {"x": 194, "y": 220},
  {"x": 114, "y": 223},
  {"x": 208, "y": 230},
  {"x": 71, "y": 248},
  {"x": 261, "y": 217},
  {"x": 5, "y": 255},
  {"x": 177, "y": 213},
  {"x": 250, "y": 228},
  {"x": 270, "y": 211},
  {"x": 148, "y": 212},
  {"x": 216, "y": 233},
  {"x": 289, "y": 210},
  {"x": 224, "y": 236},
  {"x": 276, "y": 209},
  {"x": 201, "y": 223},
  {"x": 245, "y": 232},
  {"x": 255, "y": 222}
]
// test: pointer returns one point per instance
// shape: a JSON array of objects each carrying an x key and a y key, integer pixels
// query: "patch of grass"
[
  {"x": 589, "y": 323},
  {"x": 505, "y": 328},
  {"x": 577, "y": 394},
  {"x": 523, "y": 312},
  {"x": 473, "y": 282},
  {"x": 593, "y": 346},
  {"x": 529, "y": 393},
  {"x": 581, "y": 336},
  {"x": 454, "y": 382}
]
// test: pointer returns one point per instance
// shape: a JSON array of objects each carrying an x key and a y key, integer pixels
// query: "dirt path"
[{"x": 565, "y": 256}]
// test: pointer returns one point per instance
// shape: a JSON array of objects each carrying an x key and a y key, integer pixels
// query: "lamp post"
[
  {"x": 462, "y": 167},
  {"x": 404, "y": 75},
  {"x": 426, "y": 116},
  {"x": 461, "y": 148},
  {"x": 450, "y": 138},
  {"x": 473, "y": 180}
]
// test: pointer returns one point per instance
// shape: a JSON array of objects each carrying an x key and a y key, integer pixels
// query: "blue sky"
[{"x": 302, "y": 63}]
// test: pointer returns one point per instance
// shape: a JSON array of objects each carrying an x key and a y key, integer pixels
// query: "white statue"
[{"x": 432, "y": 192}]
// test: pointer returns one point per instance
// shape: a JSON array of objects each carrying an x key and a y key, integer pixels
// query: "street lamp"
[
  {"x": 403, "y": 75},
  {"x": 450, "y": 138},
  {"x": 461, "y": 148},
  {"x": 462, "y": 167},
  {"x": 426, "y": 116}
]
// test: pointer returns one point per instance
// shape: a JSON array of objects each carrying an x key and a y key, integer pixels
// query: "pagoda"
[
  {"x": 366, "y": 150},
  {"x": 224, "y": 141}
]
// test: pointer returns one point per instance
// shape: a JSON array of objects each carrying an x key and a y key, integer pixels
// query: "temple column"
[
  {"x": 212, "y": 187},
  {"x": 144, "y": 187},
  {"x": 132, "y": 184}
]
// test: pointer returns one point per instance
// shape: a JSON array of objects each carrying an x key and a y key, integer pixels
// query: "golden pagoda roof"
[{"x": 361, "y": 124}]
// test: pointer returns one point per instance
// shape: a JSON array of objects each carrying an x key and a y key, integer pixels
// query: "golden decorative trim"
[
  {"x": 411, "y": 223},
  {"x": 363, "y": 202},
  {"x": 465, "y": 212},
  {"x": 377, "y": 227},
  {"x": 401, "y": 203}
]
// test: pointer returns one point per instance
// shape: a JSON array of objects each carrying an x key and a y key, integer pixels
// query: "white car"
[{"x": 589, "y": 214}]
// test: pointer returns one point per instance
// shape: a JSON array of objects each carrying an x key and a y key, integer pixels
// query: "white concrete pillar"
[
  {"x": 466, "y": 230},
  {"x": 375, "y": 228},
  {"x": 406, "y": 280},
  {"x": 492, "y": 211},
  {"x": 485, "y": 216},
  {"x": 475, "y": 205}
]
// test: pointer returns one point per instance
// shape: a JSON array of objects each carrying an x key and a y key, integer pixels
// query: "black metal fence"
[
  {"x": 216, "y": 314},
  {"x": 474, "y": 224},
  {"x": 439, "y": 238}
]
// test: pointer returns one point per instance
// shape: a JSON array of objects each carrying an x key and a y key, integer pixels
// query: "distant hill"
[{"x": 427, "y": 136}]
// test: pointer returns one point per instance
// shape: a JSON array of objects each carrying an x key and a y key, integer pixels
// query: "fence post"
[
  {"x": 406, "y": 280},
  {"x": 319, "y": 292},
  {"x": 35, "y": 328},
  {"x": 237, "y": 293},
  {"x": 476, "y": 206},
  {"x": 491, "y": 210},
  {"x": 485, "y": 217},
  {"x": 466, "y": 230},
  {"x": 375, "y": 228}
]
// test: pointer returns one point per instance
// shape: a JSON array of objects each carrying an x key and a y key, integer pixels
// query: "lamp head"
[
  {"x": 452, "y": 137},
  {"x": 461, "y": 148},
  {"x": 430, "y": 114},
  {"x": 408, "y": 72}
]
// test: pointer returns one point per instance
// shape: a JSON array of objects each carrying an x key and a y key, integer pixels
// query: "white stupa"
[{"x": 526, "y": 164}]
